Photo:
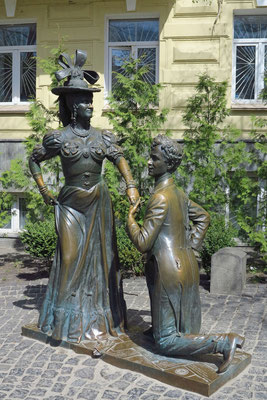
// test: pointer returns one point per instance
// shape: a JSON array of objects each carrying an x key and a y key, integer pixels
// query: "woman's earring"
[{"x": 74, "y": 114}]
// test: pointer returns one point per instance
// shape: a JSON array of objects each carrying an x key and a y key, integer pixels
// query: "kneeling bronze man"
[{"x": 172, "y": 272}]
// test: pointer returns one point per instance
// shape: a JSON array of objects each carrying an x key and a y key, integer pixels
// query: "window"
[
  {"x": 17, "y": 63},
  {"x": 132, "y": 38},
  {"x": 17, "y": 214},
  {"x": 250, "y": 55}
]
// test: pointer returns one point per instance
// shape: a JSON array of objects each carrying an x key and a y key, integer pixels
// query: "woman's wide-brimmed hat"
[{"x": 76, "y": 76}]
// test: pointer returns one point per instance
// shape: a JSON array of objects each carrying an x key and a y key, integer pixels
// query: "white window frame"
[
  {"x": 15, "y": 216},
  {"x": 133, "y": 45},
  {"x": 259, "y": 67},
  {"x": 15, "y": 51}
]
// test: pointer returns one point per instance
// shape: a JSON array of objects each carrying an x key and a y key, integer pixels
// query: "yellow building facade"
[
  {"x": 180, "y": 40},
  {"x": 189, "y": 42}
]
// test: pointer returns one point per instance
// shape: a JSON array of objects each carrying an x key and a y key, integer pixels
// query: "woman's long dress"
[{"x": 84, "y": 298}]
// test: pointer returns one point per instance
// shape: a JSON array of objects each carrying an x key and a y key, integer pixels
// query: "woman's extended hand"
[
  {"x": 49, "y": 199},
  {"x": 133, "y": 195},
  {"x": 133, "y": 208}
]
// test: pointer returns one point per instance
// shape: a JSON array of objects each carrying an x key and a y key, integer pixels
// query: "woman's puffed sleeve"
[
  {"x": 114, "y": 151},
  {"x": 50, "y": 147}
]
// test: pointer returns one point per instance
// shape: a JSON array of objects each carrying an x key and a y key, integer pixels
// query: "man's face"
[{"x": 157, "y": 165}]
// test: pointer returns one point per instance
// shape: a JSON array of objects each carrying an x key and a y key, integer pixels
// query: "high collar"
[{"x": 164, "y": 181}]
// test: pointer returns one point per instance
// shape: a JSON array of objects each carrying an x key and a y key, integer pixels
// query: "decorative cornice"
[
  {"x": 131, "y": 5},
  {"x": 10, "y": 7}
]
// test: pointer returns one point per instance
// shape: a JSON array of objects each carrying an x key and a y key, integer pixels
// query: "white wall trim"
[
  {"x": 131, "y": 5},
  {"x": 10, "y": 7},
  {"x": 18, "y": 21},
  {"x": 261, "y": 3}
]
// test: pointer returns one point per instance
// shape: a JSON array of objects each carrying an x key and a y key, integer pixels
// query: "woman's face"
[
  {"x": 84, "y": 105},
  {"x": 85, "y": 110}
]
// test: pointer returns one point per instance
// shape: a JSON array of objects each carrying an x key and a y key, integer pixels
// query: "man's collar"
[{"x": 164, "y": 181}]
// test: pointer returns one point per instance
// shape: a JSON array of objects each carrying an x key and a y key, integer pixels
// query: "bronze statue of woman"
[{"x": 84, "y": 298}]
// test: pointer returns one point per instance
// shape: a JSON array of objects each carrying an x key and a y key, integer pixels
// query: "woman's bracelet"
[
  {"x": 131, "y": 185},
  {"x": 43, "y": 189}
]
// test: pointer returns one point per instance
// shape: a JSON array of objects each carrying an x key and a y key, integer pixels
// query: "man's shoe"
[{"x": 228, "y": 354}]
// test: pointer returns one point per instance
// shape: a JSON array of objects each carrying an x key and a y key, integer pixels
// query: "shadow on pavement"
[
  {"x": 35, "y": 295},
  {"x": 23, "y": 266}
]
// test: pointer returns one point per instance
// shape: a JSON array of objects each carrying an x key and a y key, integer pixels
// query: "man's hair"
[{"x": 171, "y": 150}]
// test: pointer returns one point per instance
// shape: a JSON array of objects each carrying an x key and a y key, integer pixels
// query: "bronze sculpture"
[
  {"x": 172, "y": 272},
  {"x": 84, "y": 298}
]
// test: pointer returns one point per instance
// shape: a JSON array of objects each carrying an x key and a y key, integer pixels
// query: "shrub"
[
  {"x": 218, "y": 236},
  {"x": 40, "y": 238},
  {"x": 130, "y": 258}
]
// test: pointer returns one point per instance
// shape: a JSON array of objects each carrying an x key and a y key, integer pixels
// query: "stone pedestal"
[
  {"x": 228, "y": 271},
  {"x": 136, "y": 352}
]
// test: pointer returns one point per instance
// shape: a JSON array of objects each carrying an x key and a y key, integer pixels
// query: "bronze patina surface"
[
  {"x": 84, "y": 298},
  {"x": 136, "y": 353},
  {"x": 172, "y": 227}
]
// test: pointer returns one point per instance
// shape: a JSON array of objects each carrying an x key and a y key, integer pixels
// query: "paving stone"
[
  {"x": 49, "y": 374},
  {"x": 63, "y": 379},
  {"x": 72, "y": 361},
  {"x": 158, "y": 388},
  {"x": 110, "y": 394},
  {"x": 17, "y": 371},
  {"x": 79, "y": 382},
  {"x": 58, "y": 357},
  {"x": 150, "y": 396},
  {"x": 66, "y": 370},
  {"x": 261, "y": 395},
  {"x": 38, "y": 392},
  {"x": 120, "y": 385},
  {"x": 29, "y": 378},
  {"x": 144, "y": 383},
  {"x": 88, "y": 394},
  {"x": 58, "y": 387},
  {"x": 19, "y": 394},
  {"x": 6, "y": 388},
  {"x": 45, "y": 383},
  {"x": 173, "y": 394},
  {"x": 191, "y": 396},
  {"x": 73, "y": 391},
  {"x": 136, "y": 391},
  {"x": 129, "y": 377},
  {"x": 110, "y": 376},
  {"x": 85, "y": 373}
]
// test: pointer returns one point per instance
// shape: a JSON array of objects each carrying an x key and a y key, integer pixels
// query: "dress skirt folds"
[{"x": 84, "y": 298}]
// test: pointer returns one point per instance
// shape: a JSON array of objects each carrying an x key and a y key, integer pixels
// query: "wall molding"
[{"x": 10, "y": 7}]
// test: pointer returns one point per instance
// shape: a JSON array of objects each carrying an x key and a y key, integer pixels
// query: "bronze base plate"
[{"x": 136, "y": 352}]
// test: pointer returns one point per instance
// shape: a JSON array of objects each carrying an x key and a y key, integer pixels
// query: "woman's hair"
[
  {"x": 171, "y": 150},
  {"x": 68, "y": 104}
]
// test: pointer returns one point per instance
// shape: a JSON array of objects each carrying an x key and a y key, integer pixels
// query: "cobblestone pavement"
[{"x": 31, "y": 370}]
